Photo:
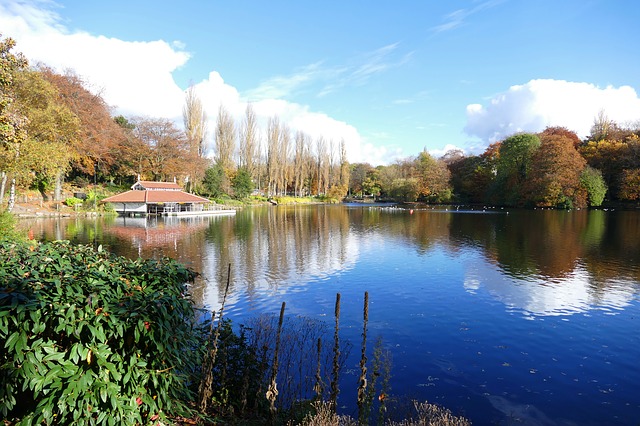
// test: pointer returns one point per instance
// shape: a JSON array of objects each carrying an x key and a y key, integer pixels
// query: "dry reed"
[
  {"x": 205, "y": 390},
  {"x": 272, "y": 391},
  {"x": 362, "y": 386}
]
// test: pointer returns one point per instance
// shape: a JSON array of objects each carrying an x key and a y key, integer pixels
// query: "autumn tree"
[
  {"x": 553, "y": 179},
  {"x": 433, "y": 177},
  {"x": 611, "y": 157},
  {"x": 169, "y": 153},
  {"x": 359, "y": 172},
  {"x": 52, "y": 131},
  {"x": 630, "y": 185},
  {"x": 134, "y": 154},
  {"x": 372, "y": 184},
  {"x": 12, "y": 123},
  {"x": 100, "y": 138},
  {"x": 561, "y": 131},
  {"x": 464, "y": 171},
  {"x": 398, "y": 181}
]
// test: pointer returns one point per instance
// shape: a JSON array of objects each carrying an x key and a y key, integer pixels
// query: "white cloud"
[
  {"x": 136, "y": 77},
  {"x": 214, "y": 92},
  {"x": 282, "y": 86},
  {"x": 437, "y": 153},
  {"x": 133, "y": 76},
  {"x": 458, "y": 17},
  {"x": 540, "y": 103}
]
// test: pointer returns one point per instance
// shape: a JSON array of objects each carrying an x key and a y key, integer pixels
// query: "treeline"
[
  {"x": 55, "y": 128},
  {"x": 553, "y": 168}
]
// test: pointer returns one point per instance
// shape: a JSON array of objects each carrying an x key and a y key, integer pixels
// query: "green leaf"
[
  {"x": 54, "y": 356},
  {"x": 11, "y": 341}
]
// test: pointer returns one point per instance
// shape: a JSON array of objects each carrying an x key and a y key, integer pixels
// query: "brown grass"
[{"x": 426, "y": 415}]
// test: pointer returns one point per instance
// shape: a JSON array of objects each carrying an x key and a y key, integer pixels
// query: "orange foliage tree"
[
  {"x": 97, "y": 148},
  {"x": 611, "y": 158},
  {"x": 166, "y": 150},
  {"x": 630, "y": 185},
  {"x": 554, "y": 176}
]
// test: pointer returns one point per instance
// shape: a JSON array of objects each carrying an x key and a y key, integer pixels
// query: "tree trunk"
[
  {"x": 3, "y": 186},
  {"x": 57, "y": 192},
  {"x": 12, "y": 195},
  {"x": 43, "y": 192}
]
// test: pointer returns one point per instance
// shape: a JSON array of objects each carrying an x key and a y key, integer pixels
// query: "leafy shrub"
[
  {"x": 296, "y": 200},
  {"x": 592, "y": 180},
  {"x": 90, "y": 338},
  {"x": 9, "y": 228},
  {"x": 72, "y": 201}
]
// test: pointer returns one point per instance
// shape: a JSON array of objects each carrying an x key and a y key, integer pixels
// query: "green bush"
[
  {"x": 591, "y": 179},
  {"x": 90, "y": 338},
  {"x": 9, "y": 229},
  {"x": 72, "y": 201}
]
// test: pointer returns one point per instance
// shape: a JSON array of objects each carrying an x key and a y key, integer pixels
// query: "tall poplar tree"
[
  {"x": 248, "y": 153},
  {"x": 194, "y": 118},
  {"x": 225, "y": 144},
  {"x": 273, "y": 150}
]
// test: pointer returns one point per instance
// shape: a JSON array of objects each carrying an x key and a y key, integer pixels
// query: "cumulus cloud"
[
  {"x": 136, "y": 77},
  {"x": 133, "y": 76},
  {"x": 540, "y": 103},
  {"x": 214, "y": 92}
]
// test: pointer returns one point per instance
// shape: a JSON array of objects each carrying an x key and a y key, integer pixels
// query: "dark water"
[{"x": 519, "y": 317}]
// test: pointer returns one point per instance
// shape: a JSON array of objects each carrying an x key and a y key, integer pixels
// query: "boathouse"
[{"x": 158, "y": 198}]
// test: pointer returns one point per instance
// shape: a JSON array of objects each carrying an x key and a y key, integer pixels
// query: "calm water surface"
[{"x": 507, "y": 317}]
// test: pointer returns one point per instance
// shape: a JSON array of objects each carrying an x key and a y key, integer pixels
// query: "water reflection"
[
  {"x": 570, "y": 294},
  {"x": 540, "y": 262},
  {"x": 274, "y": 250}
]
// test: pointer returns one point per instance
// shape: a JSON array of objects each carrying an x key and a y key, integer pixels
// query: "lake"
[{"x": 504, "y": 316}]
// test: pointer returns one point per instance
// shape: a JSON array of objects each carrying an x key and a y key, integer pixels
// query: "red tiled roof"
[
  {"x": 155, "y": 197},
  {"x": 158, "y": 185}
]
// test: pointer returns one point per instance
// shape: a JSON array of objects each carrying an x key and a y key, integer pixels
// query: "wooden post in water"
[
  {"x": 362, "y": 387},
  {"x": 333, "y": 399},
  {"x": 318, "y": 388}
]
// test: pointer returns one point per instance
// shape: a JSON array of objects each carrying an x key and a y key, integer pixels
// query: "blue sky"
[{"x": 390, "y": 78}]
